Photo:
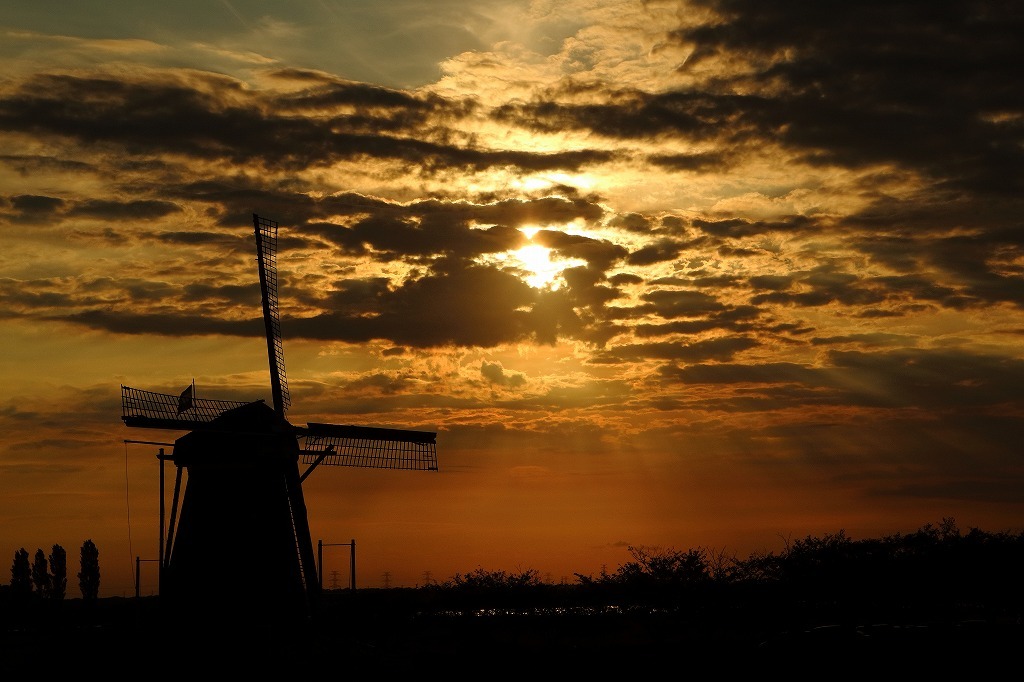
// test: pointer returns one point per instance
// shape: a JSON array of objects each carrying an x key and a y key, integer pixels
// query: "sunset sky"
[{"x": 701, "y": 273}]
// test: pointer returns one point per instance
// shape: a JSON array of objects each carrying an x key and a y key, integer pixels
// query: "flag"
[{"x": 185, "y": 399}]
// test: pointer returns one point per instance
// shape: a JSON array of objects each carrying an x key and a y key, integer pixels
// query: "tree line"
[
  {"x": 46, "y": 578},
  {"x": 937, "y": 569},
  {"x": 934, "y": 566}
]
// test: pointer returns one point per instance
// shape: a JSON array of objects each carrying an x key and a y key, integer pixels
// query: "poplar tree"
[
  {"x": 40, "y": 576},
  {"x": 89, "y": 577},
  {"x": 21, "y": 574},
  {"x": 58, "y": 572}
]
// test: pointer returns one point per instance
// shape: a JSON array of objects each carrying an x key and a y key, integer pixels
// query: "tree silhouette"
[
  {"x": 21, "y": 574},
  {"x": 58, "y": 572},
  {"x": 89, "y": 577},
  {"x": 40, "y": 576}
]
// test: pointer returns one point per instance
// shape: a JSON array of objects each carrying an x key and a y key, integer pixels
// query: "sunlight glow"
[
  {"x": 537, "y": 265},
  {"x": 537, "y": 259},
  {"x": 529, "y": 230}
]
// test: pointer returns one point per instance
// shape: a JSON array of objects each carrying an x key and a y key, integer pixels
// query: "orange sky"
[{"x": 680, "y": 274}]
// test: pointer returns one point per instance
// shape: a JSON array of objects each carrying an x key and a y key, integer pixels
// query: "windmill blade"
[
  {"x": 266, "y": 256},
  {"x": 147, "y": 409},
  {"x": 369, "y": 447}
]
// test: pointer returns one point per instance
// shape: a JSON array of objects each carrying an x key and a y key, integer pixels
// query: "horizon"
[{"x": 676, "y": 274}]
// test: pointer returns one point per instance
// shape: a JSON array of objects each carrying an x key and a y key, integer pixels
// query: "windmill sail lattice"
[
  {"x": 149, "y": 409},
  {"x": 244, "y": 488},
  {"x": 266, "y": 254}
]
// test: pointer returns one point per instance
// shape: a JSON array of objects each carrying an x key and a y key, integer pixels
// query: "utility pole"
[
  {"x": 334, "y": 579},
  {"x": 387, "y": 579},
  {"x": 426, "y": 577}
]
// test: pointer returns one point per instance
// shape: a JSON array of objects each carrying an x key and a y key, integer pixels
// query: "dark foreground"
[{"x": 376, "y": 632}]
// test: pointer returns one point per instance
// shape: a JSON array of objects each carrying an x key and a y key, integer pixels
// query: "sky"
[{"x": 717, "y": 274}]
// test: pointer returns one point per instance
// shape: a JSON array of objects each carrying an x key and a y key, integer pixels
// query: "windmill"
[{"x": 238, "y": 539}]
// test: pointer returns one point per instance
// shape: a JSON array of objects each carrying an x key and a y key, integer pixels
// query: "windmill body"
[
  {"x": 243, "y": 503},
  {"x": 238, "y": 542}
]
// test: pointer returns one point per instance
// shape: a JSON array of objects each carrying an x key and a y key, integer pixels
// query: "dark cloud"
[
  {"x": 629, "y": 115},
  {"x": 769, "y": 373},
  {"x": 928, "y": 87},
  {"x": 921, "y": 85},
  {"x": 19, "y": 296},
  {"x": 395, "y": 238},
  {"x": 669, "y": 303},
  {"x": 467, "y": 306},
  {"x": 735, "y": 319},
  {"x": 944, "y": 380},
  {"x": 241, "y": 294},
  {"x": 164, "y": 324},
  {"x": 32, "y": 203},
  {"x": 633, "y": 222},
  {"x": 824, "y": 284},
  {"x": 873, "y": 339},
  {"x": 30, "y": 208},
  {"x": 741, "y": 227},
  {"x": 229, "y": 241},
  {"x": 27, "y": 164},
  {"x": 659, "y": 252},
  {"x": 141, "y": 209},
  {"x": 458, "y": 305},
  {"x": 599, "y": 253},
  {"x": 720, "y": 349},
  {"x": 708, "y": 161},
  {"x": 213, "y": 117},
  {"x": 330, "y": 93},
  {"x": 625, "y": 279},
  {"x": 771, "y": 282},
  {"x": 494, "y": 373},
  {"x": 462, "y": 229}
]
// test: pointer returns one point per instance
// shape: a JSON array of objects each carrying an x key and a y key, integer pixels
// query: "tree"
[
  {"x": 21, "y": 574},
  {"x": 40, "y": 576},
  {"x": 89, "y": 577},
  {"x": 58, "y": 572}
]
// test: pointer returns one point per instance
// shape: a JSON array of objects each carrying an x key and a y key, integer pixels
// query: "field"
[{"x": 408, "y": 631}]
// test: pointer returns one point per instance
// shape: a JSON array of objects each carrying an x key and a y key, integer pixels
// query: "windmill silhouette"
[{"x": 238, "y": 541}]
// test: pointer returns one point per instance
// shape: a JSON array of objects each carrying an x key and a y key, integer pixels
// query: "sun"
[
  {"x": 536, "y": 259},
  {"x": 537, "y": 265},
  {"x": 541, "y": 266}
]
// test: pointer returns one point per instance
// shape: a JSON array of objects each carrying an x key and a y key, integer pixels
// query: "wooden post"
[
  {"x": 160, "y": 570},
  {"x": 320, "y": 561}
]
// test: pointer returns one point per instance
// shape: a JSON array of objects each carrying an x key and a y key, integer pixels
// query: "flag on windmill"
[{"x": 185, "y": 399}]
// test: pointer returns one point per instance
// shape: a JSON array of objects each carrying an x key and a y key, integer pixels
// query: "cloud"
[
  {"x": 720, "y": 349},
  {"x": 927, "y": 81},
  {"x": 495, "y": 374},
  {"x": 214, "y": 118}
]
